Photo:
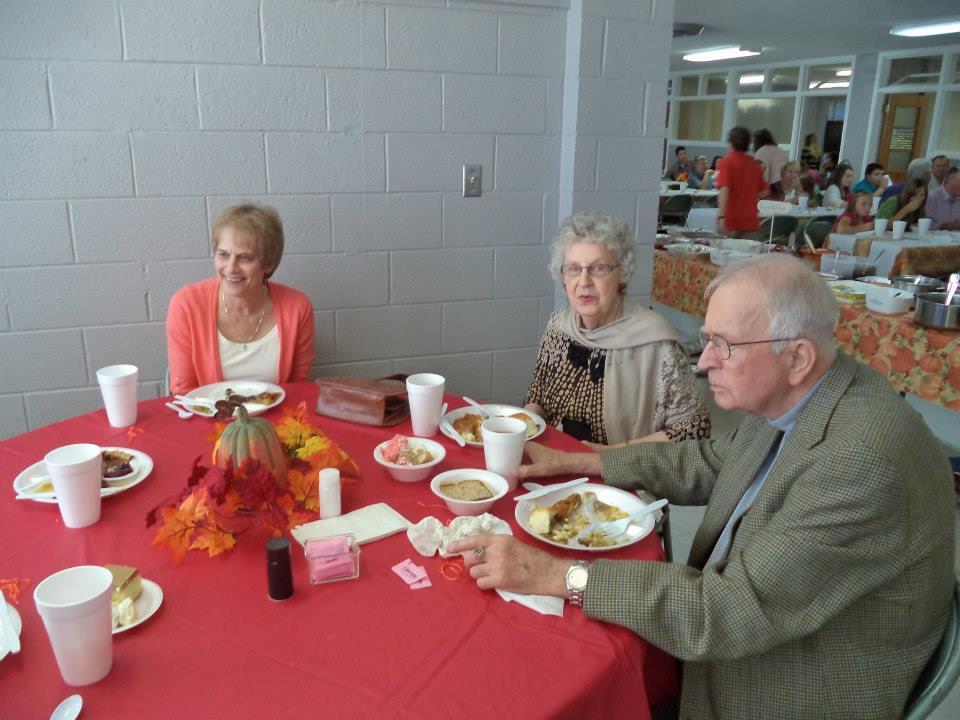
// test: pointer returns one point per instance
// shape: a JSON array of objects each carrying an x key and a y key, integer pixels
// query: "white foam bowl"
[
  {"x": 497, "y": 484},
  {"x": 889, "y": 301},
  {"x": 412, "y": 473}
]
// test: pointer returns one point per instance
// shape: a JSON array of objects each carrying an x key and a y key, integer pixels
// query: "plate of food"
[
  {"x": 135, "y": 599},
  {"x": 563, "y": 518},
  {"x": 122, "y": 469},
  {"x": 467, "y": 420},
  {"x": 256, "y": 397}
]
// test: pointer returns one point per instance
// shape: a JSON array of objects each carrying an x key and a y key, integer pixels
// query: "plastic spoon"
[
  {"x": 952, "y": 288},
  {"x": 616, "y": 528},
  {"x": 181, "y": 411},
  {"x": 449, "y": 429},
  {"x": 68, "y": 709},
  {"x": 478, "y": 406}
]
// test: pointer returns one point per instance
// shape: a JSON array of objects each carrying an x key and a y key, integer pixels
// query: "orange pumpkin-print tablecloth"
[{"x": 918, "y": 360}]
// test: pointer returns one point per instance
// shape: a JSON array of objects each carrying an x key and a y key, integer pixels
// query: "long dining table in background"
[{"x": 365, "y": 648}]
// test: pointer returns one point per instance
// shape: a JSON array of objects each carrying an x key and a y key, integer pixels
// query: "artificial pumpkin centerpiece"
[{"x": 248, "y": 438}]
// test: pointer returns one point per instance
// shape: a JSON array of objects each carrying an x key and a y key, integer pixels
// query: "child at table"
[{"x": 856, "y": 218}]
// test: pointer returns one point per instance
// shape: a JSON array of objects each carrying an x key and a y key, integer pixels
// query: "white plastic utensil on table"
[
  {"x": 180, "y": 410},
  {"x": 616, "y": 528},
  {"x": 480, "y": 408},
  {"x": 68, "y": 709},
  {"x": 449, "y": 429},
  {"x": 952, "y": 288},
  {"x": 201, "y": 402},
  {"x": 546, "y": 489}
]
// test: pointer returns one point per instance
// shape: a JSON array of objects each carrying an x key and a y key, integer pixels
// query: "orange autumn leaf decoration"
[{"x": 218, "y": 505}]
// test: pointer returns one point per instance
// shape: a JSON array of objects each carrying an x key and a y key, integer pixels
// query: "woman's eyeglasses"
[{"x": 597, "y": 269}]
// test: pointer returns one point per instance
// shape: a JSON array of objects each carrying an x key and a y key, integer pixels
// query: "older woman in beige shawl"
[{"x": 609, "y": 371}]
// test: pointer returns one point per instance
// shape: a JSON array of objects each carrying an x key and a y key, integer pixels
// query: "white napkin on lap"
[
  {"x": 367, "y": 524},
  {"x": 429, "y": 535}
]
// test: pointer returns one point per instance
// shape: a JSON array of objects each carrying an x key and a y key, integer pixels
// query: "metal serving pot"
[
  {"x": 932, "y": 311},
  {"x": 917, "y": 283}
]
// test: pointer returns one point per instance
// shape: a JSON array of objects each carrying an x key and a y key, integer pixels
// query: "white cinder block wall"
[{"x": 128, "y": 125}]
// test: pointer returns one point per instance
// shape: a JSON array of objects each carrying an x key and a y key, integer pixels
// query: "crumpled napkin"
[{"x": 430, "y": 535}]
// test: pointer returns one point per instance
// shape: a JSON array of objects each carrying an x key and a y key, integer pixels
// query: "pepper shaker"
[{"x": 279, "y": 573}]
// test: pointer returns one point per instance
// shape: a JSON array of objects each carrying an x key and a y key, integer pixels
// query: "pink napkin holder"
[{"x": 332, "y": 558}]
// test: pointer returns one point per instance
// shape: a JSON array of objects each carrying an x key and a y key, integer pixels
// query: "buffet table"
[
  {"x": 936, "y": 253},
  {"x": 916, "y": 359},
  {"x": 370, "y": 647}
]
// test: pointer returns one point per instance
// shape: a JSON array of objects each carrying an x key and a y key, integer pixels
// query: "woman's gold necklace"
[{"x": 263, "y": 312}]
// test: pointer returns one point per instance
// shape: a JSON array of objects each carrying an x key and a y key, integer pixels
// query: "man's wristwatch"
[{"x": 576, "y": 580}]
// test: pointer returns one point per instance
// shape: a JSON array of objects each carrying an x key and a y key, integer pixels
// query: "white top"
[
  {"x": 833, "y": 198},
  {"x": 257, "y": 360}
]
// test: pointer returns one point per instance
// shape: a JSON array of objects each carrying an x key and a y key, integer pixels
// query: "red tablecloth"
[{"x": 218, "y": 647}]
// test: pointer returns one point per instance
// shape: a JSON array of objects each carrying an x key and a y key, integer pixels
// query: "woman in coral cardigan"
[{"x": 236, "y": 325}]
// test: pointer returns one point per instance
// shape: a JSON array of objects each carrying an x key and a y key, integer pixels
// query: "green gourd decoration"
[{"x": 248, "y": 437}]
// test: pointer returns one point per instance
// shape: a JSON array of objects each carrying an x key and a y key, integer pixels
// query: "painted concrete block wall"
[{"x": 129, "y": 126}]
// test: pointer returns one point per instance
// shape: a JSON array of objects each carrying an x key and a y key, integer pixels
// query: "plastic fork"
[
  {"x": 480, "y": 408},
  {"x": 616, "y": 528},
  {"x": 449, "y": 429}
]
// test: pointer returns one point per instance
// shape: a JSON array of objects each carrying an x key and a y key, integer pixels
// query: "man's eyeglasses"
[
  {"x": 723, "y": 346},
  {"x": 597, "y": 269}
]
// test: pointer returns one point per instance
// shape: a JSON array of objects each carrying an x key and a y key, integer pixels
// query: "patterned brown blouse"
[{"x": 568, "y": 385}]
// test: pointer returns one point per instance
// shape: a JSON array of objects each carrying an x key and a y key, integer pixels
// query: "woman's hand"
[
  {"x": 547, "y": 461},
  {"x": 502, "y": 561}
]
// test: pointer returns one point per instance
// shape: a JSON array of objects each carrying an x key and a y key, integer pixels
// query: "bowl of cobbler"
[
  {"x": 469, "y": 491},
  {"x": 409, "y": 459}
]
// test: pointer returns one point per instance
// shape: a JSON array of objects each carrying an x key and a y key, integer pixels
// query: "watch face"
[{"x": 577, "y": 578}]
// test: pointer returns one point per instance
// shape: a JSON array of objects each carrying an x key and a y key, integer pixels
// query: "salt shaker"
[
  {"x": 329, "y": 493},
  {"x": 279, "y": 574}
]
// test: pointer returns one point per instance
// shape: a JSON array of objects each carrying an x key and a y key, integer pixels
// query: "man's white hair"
[{"x": 798, "y": 302}]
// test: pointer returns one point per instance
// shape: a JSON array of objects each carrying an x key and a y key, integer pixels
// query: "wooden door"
[{"x": 902, "y": 137}]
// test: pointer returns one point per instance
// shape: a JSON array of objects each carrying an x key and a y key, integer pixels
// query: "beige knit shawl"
[{"x": 635, "y": 343}]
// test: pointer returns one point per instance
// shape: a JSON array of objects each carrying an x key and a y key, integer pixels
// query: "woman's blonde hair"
[{"x": 262, "y": 223}]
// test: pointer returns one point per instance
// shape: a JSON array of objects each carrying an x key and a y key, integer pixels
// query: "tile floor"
[{"x": 684, "y": 522}]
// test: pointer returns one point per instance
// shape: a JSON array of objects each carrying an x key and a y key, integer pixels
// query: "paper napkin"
[
  {"x": 430, "y": 535},
  {"x": 367, "y": 524}
]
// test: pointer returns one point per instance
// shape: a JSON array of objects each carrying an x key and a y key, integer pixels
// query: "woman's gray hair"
[
  {"x": 589, "y": 226},
  {"x": 798, "y": 302}
]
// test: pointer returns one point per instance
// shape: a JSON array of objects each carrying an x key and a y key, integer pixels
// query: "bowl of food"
[
  {"x": 409, "y": 459},
  {"x": 917, "y": 283},
  {"x": 875, "y": 280},
  {"x": 721, "y": 257},
  {"x": 933, "y": 311},
  {"x": 743, "y": 245},
  {"x": 468, "y": 491},
  {"x": 688, "y": 249}
]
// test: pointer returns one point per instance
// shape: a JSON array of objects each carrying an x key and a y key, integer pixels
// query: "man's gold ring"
[{"x": 480, "y": 553}]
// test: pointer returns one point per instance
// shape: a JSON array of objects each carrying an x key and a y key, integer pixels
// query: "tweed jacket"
[{"x": 838, "y": 580}]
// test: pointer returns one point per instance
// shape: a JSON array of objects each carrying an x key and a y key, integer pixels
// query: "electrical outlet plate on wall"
[{"x": 472, "y": 180}]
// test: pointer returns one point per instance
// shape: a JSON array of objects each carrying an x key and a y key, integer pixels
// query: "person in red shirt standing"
[{"x": 741, "y": 184}]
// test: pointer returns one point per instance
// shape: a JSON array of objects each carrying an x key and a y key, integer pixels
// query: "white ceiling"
[{"x": 803, "y": 29}]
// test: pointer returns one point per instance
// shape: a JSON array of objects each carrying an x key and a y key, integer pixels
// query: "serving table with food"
[
  {"x": 407, "y": 636},
  {"x": 934, "y": 253},
  {"x": 921, "y": 360}
]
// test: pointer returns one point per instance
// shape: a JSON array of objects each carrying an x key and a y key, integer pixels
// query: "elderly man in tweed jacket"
[{"x": 819, "y": 581}]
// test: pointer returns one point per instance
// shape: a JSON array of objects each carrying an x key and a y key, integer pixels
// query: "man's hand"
[
  {"x": 509, "y": 564},
  {"x": 547, "y": 461}
]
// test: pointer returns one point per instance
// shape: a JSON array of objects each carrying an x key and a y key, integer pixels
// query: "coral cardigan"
[{"x": 192, "y": 347}]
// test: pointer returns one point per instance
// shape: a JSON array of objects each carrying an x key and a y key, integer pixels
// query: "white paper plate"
[
  {"x": 627, "y": 502},
  {"x": 141, "y": 463},
  {"x": 493, "y": 409},
  {"x": 147, "y": 604},
  {"x": 17, "y": 623},
  {"x": 218, "y": 391}
]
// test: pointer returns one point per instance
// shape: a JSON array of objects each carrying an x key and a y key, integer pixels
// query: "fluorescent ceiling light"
[
  {"x": 828, "y": 85},
  {"x": 938, "y": 27},
  {"x": 844, "y": 73},
  {"x": 751, "y": 79},
  {"x": 723, "y": 53}
]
